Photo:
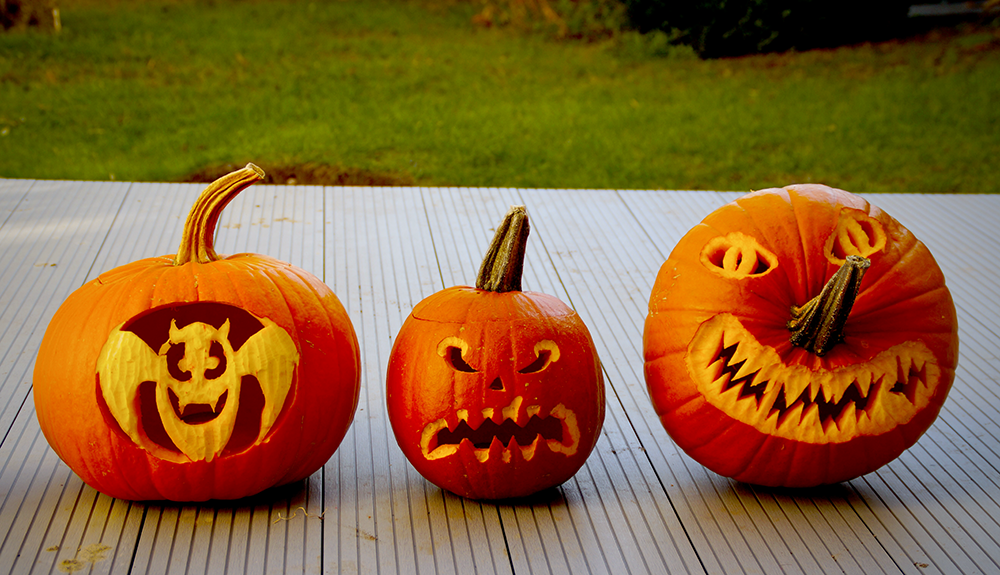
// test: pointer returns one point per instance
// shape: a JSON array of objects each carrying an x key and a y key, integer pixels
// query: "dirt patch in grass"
[{"x": 307, "y": 174}]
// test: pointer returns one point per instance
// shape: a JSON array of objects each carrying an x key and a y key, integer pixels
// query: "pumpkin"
[
  {"x": 797, "y": 337},
  {"x": 195, "y": 376},
  {"x": 494, "y": 392}
]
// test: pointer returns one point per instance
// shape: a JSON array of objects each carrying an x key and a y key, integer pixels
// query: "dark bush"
[
  {"x": 20, "y": 14},
  {"x": 716, "y": 28}
]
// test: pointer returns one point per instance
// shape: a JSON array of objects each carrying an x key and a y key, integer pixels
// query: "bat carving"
[{"x": 197, "y": 376}]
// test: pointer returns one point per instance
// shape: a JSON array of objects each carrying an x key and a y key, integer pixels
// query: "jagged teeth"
[
  {"x": 796, "y": 382},
  {"x": 746, "y": 369},
  {"x": 716, "y": 367},
  {"x": 863, "y": 382}
]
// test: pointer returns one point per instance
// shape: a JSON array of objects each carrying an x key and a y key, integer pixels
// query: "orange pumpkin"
[
  {"x": 195, "y": 376},
  {"x": 798, "y": 337},
  {"x": 493, "y": 392}
]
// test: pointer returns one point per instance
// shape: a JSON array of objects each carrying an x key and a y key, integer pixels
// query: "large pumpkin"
[
  {"x": 799, "y": 337},
  {"x": 195, "y": 376},
  {"x": 493, "y": 392}
]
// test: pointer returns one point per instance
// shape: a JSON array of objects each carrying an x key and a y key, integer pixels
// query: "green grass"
[{"x": 160, "y": 89}]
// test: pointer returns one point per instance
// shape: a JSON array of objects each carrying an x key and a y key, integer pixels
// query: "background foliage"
[{"x": 426, "y": 92}]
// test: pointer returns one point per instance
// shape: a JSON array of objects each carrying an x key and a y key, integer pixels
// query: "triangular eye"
[
  {"x": 452, "y": 350},
  {"x": 546, "y": 352}
]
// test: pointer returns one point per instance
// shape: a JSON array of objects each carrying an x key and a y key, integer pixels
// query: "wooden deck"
[{"x": 638, "y": 506}]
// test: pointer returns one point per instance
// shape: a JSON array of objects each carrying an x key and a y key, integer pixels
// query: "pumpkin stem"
[
  {"x": 819, "y": 324},
  {"x": 197, "y": 240},
  {"x": 504, "y": 262}
]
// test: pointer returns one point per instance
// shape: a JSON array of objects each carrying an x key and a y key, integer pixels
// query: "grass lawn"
[{"x": 411, "y": 92}]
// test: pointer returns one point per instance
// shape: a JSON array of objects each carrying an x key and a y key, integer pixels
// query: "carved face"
[
  {"x": 204, "y": 388},
  {"x": 502, "y": 403},
  {"x": 735, "y": 392}
]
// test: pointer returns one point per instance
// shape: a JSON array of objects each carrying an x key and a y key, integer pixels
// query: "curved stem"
[
  {"x": 504, "y": 262},
  {"x": 818, "y": 325},
  {"x": 198, "y": 237}
]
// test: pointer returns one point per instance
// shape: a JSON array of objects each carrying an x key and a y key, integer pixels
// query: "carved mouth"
[
  {"x": 197, "y": 413},
  {"x": 749, "y": 382},
  {"x": 505, "y": 429}
]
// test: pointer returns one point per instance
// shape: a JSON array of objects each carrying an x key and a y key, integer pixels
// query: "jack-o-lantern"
[
  {"x": 492, "y": 392},
  {"x": 799, "y": 337},
  {"x": 196, "y": 376}
]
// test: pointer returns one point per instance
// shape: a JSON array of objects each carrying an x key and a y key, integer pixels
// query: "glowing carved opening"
[
  {"x": 748, "y": 382},
  {"x": 857, "y": 234},
  {"x": 737, "y": 256},
  {"x": 557, "y": 430},
  {"x": 197, "y": 381}
]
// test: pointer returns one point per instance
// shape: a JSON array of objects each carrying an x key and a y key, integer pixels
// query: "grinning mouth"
[
  {"x": 749, "y": 382},
  {"x": 557, "y": 430},
  {"x": 197, "y": 413}
]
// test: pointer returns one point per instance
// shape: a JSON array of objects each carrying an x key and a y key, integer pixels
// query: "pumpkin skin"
[
  {"x": 127, "y": 387},
  {"x": 495, "y": 395},
  {"x": 739, "y": 397}
]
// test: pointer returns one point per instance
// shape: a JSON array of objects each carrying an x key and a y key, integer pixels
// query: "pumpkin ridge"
[{"x": 764, "y": 229}]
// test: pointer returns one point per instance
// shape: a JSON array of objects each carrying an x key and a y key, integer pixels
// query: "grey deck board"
[{"x": 639, "y": 505}]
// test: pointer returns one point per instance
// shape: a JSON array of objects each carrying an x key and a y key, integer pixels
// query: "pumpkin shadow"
[
  {"x": 548, "y": 497},
  {"x": 830, "y": 491},
  {"x": 291, "y": 495}
]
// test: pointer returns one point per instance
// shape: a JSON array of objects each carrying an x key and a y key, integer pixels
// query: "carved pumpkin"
[
  {"x": 195, "y": 376},
  {"x": 799, "y": 337},
  {"x": 493, "y": 392}
]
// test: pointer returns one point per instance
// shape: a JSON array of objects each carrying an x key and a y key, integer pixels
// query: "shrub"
[
  {"x": 20, "y": 14},
  {"x": 716, "y": 28},
  {"x": 581, "y": 19}
]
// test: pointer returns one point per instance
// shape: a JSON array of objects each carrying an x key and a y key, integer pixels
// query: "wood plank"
[{"x": 639, "y": 505}]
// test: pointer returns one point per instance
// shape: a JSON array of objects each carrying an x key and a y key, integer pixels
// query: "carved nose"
[{"x": 497, "y": 384}]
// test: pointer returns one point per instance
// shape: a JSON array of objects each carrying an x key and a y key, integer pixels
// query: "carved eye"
[
  {"x": 452, "y": 350},
  {"x": 546, "y": 352},
  {"x": 857, "y": 234},
  {"x": 737, "y": 256}
]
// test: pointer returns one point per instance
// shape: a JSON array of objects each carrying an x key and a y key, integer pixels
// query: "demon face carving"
[{"x": 197, "y": 393}]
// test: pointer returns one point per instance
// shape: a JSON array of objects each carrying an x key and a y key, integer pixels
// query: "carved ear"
[
  {"x": 224, "y": 331},
  {"x": 175, "y": 332}
]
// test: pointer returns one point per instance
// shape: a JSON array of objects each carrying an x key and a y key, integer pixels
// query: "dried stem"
[
  {"x": 819, "y": 324},
  {"x": 197, "y": 241},
  {"x": 504, "y": 262}
]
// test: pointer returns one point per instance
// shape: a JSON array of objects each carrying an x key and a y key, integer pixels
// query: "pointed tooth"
[
  {"x": 835, "y": 386},
  {"x": 815, "y": 385},
  {"x": 810, "y": 420},
  {"x": 793, "y": 416},
  {"x": 513, "y": 411},
  {"x": 528, "y": 451},
  {"x": 847, "y": 422},
  {"x": 730, "y": 337},
  {"x": 715, "y": 368},
  {"x": 533, "y": 410},
  {"x": 742, "y": 354},
  {"x": 719, "y": 385},
  {"x": 903, "y": 368},
  {"x": 863, "y": 382},
  {"x": 746, "y": 369},
  {"x": 487, "y": 413},
  {"x": 559, "y": 412},
  {"x": 795, "y": 383}
]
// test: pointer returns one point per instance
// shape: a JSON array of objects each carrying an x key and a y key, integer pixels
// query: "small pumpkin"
[
  {"x": 195, "y": 376},
  {"x": 493, "y": 392},
  {"x": 799, "y": 336}
]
